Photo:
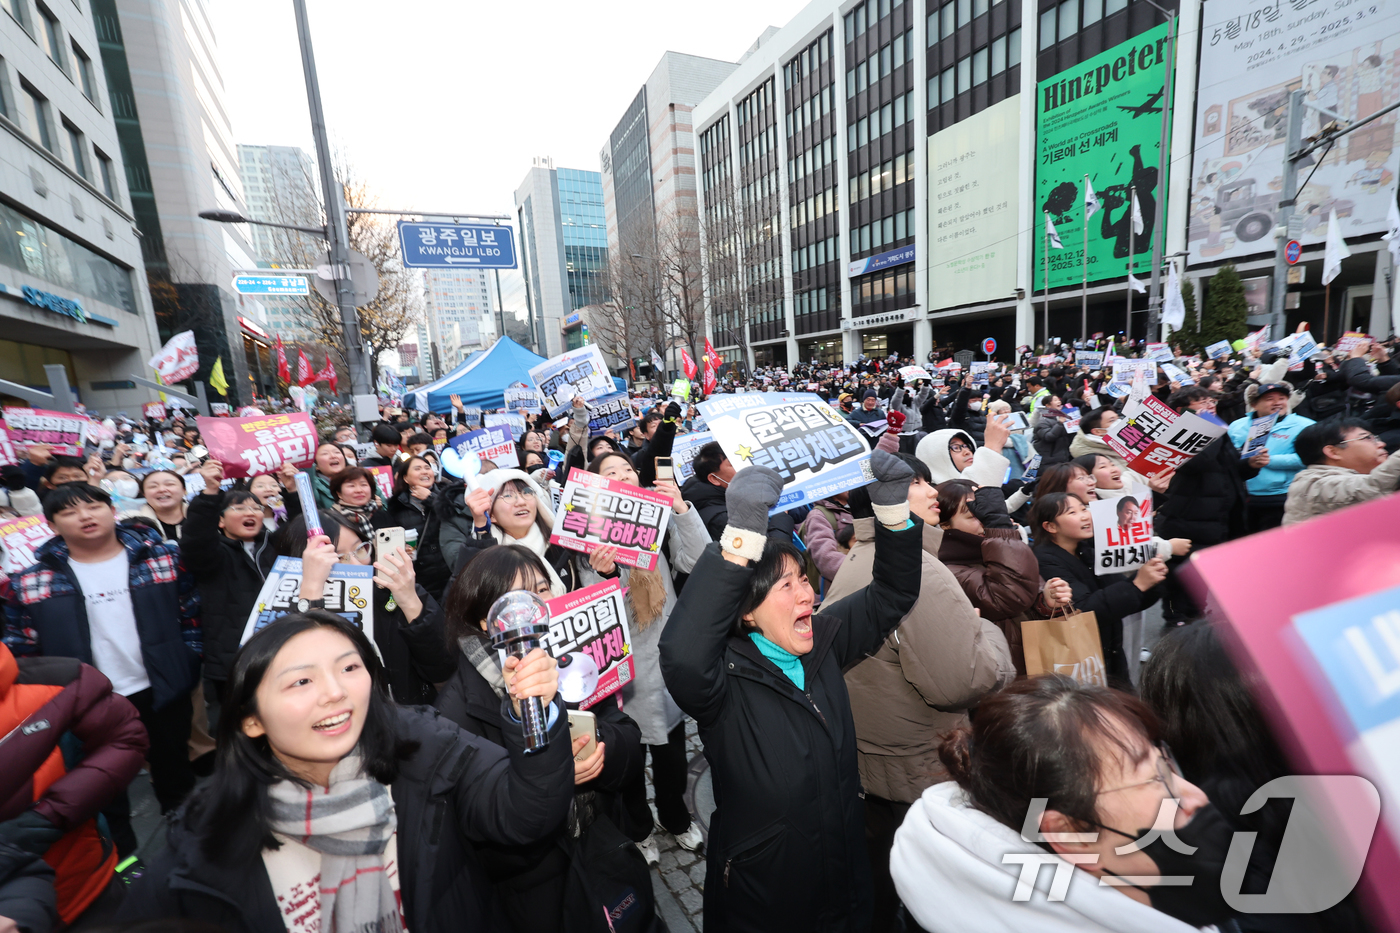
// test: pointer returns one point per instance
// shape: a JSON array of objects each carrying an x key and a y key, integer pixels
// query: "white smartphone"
[
  {"x": 582, "y": 722},
  {"x": 665, "y": 468},
  {"x": 386, "y": 539}
]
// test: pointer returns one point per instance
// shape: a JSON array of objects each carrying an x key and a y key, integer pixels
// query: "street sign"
[
  {"x": 1293, "y": 251},
  {"x": 456, "y": 246},
  {"x": 989, "y": 346},
  {"x": 364, "y": 280},
  {"x": 271, "y": 285}
]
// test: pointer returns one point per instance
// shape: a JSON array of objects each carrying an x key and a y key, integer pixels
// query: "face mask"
[
  {"x": 1200, "y": 903},
  {"x": 126, "y": 488},
  {"x": 974, "y": 406}
]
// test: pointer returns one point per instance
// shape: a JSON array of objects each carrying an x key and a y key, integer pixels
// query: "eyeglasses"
[
  {"x": 244, "y": 509},
  {"x": 1359, "y": 437},
  {"x": 1167, "y": 771},
  {"x": 510, "y": 495},
  {"x": 959, "y": 448},
  {"x": 360, "y": 554}
]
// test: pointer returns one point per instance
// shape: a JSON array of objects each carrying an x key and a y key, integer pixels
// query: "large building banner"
[
  {"x": 1103, "y": 119},
  {"x": 973, "y": 206},
  {"x": 1253, "y": 55}
]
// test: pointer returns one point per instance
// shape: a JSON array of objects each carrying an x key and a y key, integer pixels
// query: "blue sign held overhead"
[
  {"x": 456, "y": 246},
  {"x": 271, "y": 285}
]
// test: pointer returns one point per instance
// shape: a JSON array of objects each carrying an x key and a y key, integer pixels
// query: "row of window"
[
  {"x": 810, "y": 302},
  {"x": 885, "y": 232},
  {"x": 750, "y": 107},
  {"x": 945, "y": 20},
  {"x": 50, "y": 38},
  {"x": 883, "y": 177},
  {"x": 808, "y": 60},
  {"x": 35, "y": 115},
  {"x": 874, "y": 125},
  {"x": 809, "y": 209},
  {"x": 868, "y": 14},
  {"x": 879, "y": 64},
  {"x": 763, "y": 143},
  {"x": 892, "y": 283},
  {"x": 1060, "y": 22},
  {"x": 816, "y": 254},
  {"x": 812, "y": 160},
  {"x": 1004, "y": 52},
  {"x": 811, "y": 110}
]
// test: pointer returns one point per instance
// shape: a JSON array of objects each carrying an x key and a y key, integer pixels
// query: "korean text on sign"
[
  {"x": 593, "y": 621},
  {"x": 610, "y": 413},
  {"x": 578, "y": 373},
  {"x": 347, "y": 594},
  {"x": 19, "y": 540},
  {"x": 260, "y": 444},
  {"x": 595, "y": 512},
  {"x": 1153, "y": 438},
  {"x": 494, "y": 443},
  {"x": 1123, "y": 538},
  {"x": 63, "y": 431}
]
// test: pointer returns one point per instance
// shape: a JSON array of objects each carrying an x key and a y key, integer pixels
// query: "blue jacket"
[
  {"x": 46, "y": 614},
  {"x": 1273, "y": 480}
]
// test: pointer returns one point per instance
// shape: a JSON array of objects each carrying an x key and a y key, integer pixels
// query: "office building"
[
  {"x": 281, "y": 185},
  {"x": 176, "y": 142},
  {"x": 564, "y": 244},
  {"x": 459, "y": 309},
  {"x": 72, "y": 285}
]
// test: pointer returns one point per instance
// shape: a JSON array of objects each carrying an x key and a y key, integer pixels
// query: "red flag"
[
  {"x": 328, "y": 375},
  {"x": 711, "y": 354},
  {"x": 711, "y": 364},
  {"x": 688, "y": 364},
  {"x": 284, "y": 372},
  {"x": 305, "y": 374}
]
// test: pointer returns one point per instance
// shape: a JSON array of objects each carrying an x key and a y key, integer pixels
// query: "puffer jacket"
[
  {"x": 1001, "y": 576},
  {"x": 963, "y": 417},
  {"x": 988, "y": 467},
  {"x": 1051, "y": 440},
  {"x": 1284, "y": 463},
  {"x": 1323, "y": 488},
  {"x": 941, "y": 660}
]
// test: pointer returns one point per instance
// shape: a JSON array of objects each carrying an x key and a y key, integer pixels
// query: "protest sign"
[
  {"x": 908, "y": 374},
  {"x": 348, "y": 594},
  {"x": 574, "y": 374},
  {"x": 384, "y": 479},
  {"x": 595, "y": 512},
  {"x": 610, "y": 413},
  {"x": 1046, "y": 360},
  {"x": 218, "y": 408},
  {"x": 1124, "y": 371},
  {"x": 523, "y": 398},
  {"x": 593, "y": 620},
  {"x": 1351, "y": 340},
  {"x": 20, "y": 538},
  {"x": 1254, "y": 343},
  {"x": 1258, "y": 437},
  {"x": 981, "y": 374},
  {"x": 1090, "y": 358},
  {"x": 7, "y": 449},
  {"x": 817, "y": 452},
  {"x": 1178, "y": 375},
  {"x": 65, "y": 432},
  {"x": 1158, "y": 352},
  {"x": 1153, "y": 438},
  {"x": 364, "y": 451},
  {"x": 1218, "y": 351},
  {"x": 252, "y": 446},
  {"x": 494, "y": 443},
  {"x": 178, "y": 360},
  {"x": 153, "y": 411},
  {"x": 1300, "y": 349},
  {"x": 1123, "y": 531},
  {"x": 510, "y": 419},
  {"x": 683, "y": 451}
]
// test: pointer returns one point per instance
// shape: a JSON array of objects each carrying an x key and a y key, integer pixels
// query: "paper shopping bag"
[{"x": 1067, "y": 644}]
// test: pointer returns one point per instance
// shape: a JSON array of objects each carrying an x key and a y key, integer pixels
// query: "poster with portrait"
[
  {"x": 261, "y": 444},
  {"x": 1123, "y": 531}
]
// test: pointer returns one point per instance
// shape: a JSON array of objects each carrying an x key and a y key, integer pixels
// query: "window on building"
[
  {"x": 860, "y": 20},
  {"x": 1068, "y": 19},
  {"x": 979, "y": 7},
  {"x": 851, "y": 83},
  {"x": 964, "y": 12},
  {"x": 77, "y": 146},
  {"x": 886, "y": 62},
  {"x": 946, "y": 79},
  {"x": 17, "y": 12},
  {"x": 85, "y": 73},
  {"x": 998, "y": 55},
  {"x": 7, "y": 109},
  {"x": 1093, "y": 11},
  {"x": 1047, "y": 29},
  {"x": 51, "y": 37},
  {"x": 946, "y": 22},
  {"x": 1113, "y": 6},
  {"x": 898, "y": 46},
  {"x": 979, "y": 67},
  {"x": 35, "y": 109},
  {"x": 1013, "y": 47},
  {"x": 964, "y": 74}
]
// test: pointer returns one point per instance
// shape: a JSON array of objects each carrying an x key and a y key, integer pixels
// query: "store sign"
[
  {"x": 889, "y": 317},
  {"x": 973, "y": 212},
  {"x": 573, "y": 319},
  {"x": 1257, "y": 52},
  {"x": 55, "y": 303},
  {"x": 895, "y": 257},
  {"x": 1103, "y": 119}
]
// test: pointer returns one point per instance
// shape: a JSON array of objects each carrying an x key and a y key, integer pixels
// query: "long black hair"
[
  {"x": 488, "y": 577},
  {"x": 230, "y": 813}
]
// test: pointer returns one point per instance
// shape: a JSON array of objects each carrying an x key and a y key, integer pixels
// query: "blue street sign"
[
  {"x": 456, "y": 246},
  {"x": 271, "y": 285}
]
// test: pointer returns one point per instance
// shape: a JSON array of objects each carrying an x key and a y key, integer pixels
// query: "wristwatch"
[{"x": 304, "y": 604}]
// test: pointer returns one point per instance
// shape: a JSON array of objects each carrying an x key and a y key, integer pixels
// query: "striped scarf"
[{"x": 349, "y": 824}]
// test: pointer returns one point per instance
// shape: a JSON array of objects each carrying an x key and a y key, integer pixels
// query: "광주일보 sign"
[
  {"x": 595, "y": 512},
  {"x": 817, "y": 452},
  {"x": 593, "y": 620}
]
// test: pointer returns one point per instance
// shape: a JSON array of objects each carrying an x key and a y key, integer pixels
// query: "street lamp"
[
  {"x": 1159, "y": 235},
  {"x": 233, "y": 217}
]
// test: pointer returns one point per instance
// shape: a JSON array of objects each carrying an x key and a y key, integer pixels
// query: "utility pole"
[
  {"x": 336, "y": 233},
  {"x": 1283, "y": 231},
  {"x": 1159, "y": 233}
]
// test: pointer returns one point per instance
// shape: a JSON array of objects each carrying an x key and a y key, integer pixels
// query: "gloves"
[
  {"x": 988, "y": 506},
  {"x": 896, "y": 421},
  {"x": 673, "y": 411},
  {"x": 12, "y": 476},
  {"x": 30, "y": 831},
  {"x": 752, "y": 492},
  {"x": 889, "y": 494}
]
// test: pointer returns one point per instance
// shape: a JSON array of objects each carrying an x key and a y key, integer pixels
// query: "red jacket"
[{"x": 42, "y": 702}]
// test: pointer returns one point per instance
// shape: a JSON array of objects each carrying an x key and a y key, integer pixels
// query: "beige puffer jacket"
[
  {"x": 941, "y": 661},
  {"x": 1322, "y": 488}
]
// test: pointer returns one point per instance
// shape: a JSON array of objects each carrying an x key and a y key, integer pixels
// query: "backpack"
[{"x": 814, "y": 576}]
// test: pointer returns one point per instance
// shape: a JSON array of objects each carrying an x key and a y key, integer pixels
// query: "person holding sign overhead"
[{"x": 509, "y": 507}]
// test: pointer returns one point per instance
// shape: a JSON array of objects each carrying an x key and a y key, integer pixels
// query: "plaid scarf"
[{"x": 349, "y": 824}]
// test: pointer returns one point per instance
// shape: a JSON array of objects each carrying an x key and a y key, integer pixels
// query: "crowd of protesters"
[{"x": 855, "y": 668}]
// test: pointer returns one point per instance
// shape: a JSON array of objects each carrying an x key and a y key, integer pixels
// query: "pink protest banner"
[
  {"x": 1322, "y": 721},
  {"x": 64, "y": 431},
  {"x": 20, "y": 538},
  {"x": 252, "y": 446},
  {"x": 7, "y": 450},
  {"x": 595, "y": 512},
  {"x": 384, "y": 479},
  {"x": 1153, "y": 438},
  {"x": 594, "y": 620}
]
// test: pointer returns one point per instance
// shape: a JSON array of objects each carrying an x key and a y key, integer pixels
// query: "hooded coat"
[
  {"x": 919, "y": 685},
  {"x": 988, "y": 467},
  {"x": 563, "y": 561},
  {"x": 1000, "y": 575}
]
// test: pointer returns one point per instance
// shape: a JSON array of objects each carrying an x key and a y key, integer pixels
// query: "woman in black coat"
[
  {"x": 1064, "y": 545},
  {"x": 421, "y": 783},
  {"x": 411, "y": 507},
  {"x": 1050, "y": 438},
  {"x": 761, "y": 674},
  {"x": 533, "y": 881}
]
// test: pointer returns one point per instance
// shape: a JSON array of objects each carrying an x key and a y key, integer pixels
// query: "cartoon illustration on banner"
[{"x": 593, "y": 620}]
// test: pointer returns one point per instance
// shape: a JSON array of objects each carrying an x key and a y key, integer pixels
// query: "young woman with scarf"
[
  {"x": 357, "y": 498},
  {"x": 332, "y": 809},
  {"x": 509, "y": 507}
]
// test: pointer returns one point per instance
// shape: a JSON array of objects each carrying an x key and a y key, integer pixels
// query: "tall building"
[
  {"x": 460, "y": 313},
  {"x": 564, "y": 241},
  {"x": 166, "y": 90},
  {"x": 281, "y": 185},
  {"x": 72, "y": 286}
]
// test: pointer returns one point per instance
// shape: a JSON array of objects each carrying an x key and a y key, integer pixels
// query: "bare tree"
[
  {"x": 680, "y": 279},
  {"x": 630, "y": 323}
]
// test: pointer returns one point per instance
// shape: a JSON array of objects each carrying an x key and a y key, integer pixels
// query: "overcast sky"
[{"x": 441, "y": 105}]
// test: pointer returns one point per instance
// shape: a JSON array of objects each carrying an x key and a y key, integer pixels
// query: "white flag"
[
  {"x": 1336, "y": 249},
  {"x": 1091, "y": 200},
  {"x": 1173, "y": 307},
  {"x": 657, "y": 367},
  {"x": 1392, "y": 238},
  {"x": 1050, "y": 232},
  {"x": 1137, "y": 215},
  {"x": 1136, "y": 284},
  {"x": 178, "y": 360}
]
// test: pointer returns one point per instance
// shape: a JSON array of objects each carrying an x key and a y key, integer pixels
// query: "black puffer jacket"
[
  {"x": 453, "y": 790},
  {"x": 787, "y": 840},
  {"x": 965, "y": 419},
  {"x": 1360, "y": 378},
  {"x": 1050, "y": 438},
  {"x": 1206, "y": 499},
  {"x": 1385, "y": 424}
]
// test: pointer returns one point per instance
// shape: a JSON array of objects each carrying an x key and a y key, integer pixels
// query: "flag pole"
[
  {"x": 1084, "y": 285},
  {"x": 1132, "y": 202},
  {"x": 1046, "y": 253}
]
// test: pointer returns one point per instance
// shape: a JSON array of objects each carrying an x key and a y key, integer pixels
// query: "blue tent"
[{"x": 480, "y": 380}]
